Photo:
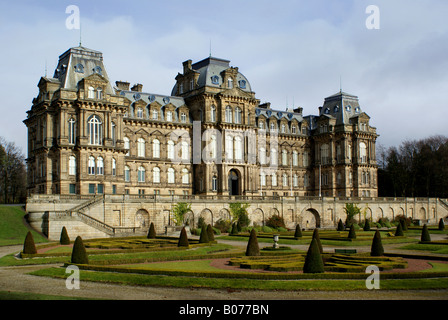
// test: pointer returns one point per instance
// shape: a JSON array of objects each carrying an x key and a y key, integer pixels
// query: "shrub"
[
  {"x": 298, "y": 232},
  {"x": 441, "y": 224},
  {"x": 239, "y": 213},
  {"x": 425, "y": 234},
  {"x": 352, "y": 233},
  {"x": 210, "y": 233},
  {"x": 267, "y": 229},
  {"x": 399, "y": 231},
  {"x": 28, "y": 246},
  {"x": 275, "y": 221},
  {"x": 405, "y": 222},
  {"x": 234, "y": 228},
  {"x": 79, "y": 254},
  {"x": 252, "y": 246},
  {"x": 316, "y": 236},
  {"x": 366, "y": 225},
  {"x": 64, "y": 239},
  {"x": 313, "y": 260},
  {"x": 152, "y": 231},
  {"x": 340, "y": 225},
  {"x": 377, "y": 246},
  {"x": 203, "y": 238},
  {"x": 223, "y": 225},
  {"x": 183, "y": 239}
]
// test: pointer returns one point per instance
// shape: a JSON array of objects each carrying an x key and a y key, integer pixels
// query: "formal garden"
[{"x": 269, "y": 257}]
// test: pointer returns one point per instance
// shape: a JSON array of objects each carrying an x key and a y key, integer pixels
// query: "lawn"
[{"x": 12, "y": 229}]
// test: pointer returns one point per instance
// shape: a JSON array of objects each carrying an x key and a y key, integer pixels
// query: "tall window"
[
  {"x": 272, "y": 127},
  {"x": 306, "y": 180},
  {"x": 213, "y": 147},
  {"x": 91, "y": 93},
  {"x": 284, "y": 157},
  {"x": 127, "y": 174},
  {"x": 169, "y": 116},
  {"x": 238, "y": 148},
  {"x": 274, "y": 156},
  {"x": 295, "y": 158},
  {"x": 126, "y": 145},
  {"x": 262, "y": 178},
  {"x": 230, "y": 83},
  {"x": 155, "y": 148},
  {"x": 94, "y": 130},
  {"x": 71, "y": 131},
  {"x": 156, "y": 175},
  {"x": 238, "y": 113},
  {"x": 295, "y": 180},
  {"x": 141, "y": 147},
  {"x": 185, "y": 177},
  {"x": 293, "y": 129},
  {"x": 184, "y": 150},
  {"x": 99, "y": 93},
  {"x": 262, "y": 155},
  {"x": 100, "y": 166},
  {"x": 274, "y": 179},
  {"x": 229, "y": 147},
  {"x": 183, "y": 117},
  {"x": 141, "y": 174},
  {"x": 325, "y": 154},
  {"x": 155, "y": 114},
  {"x": 363, "y": 152},
  {"x": 228, "y": 114},
  {"x": 215, "y": 183},
  {"x": 72, "y": 165},
  {"x": 170, "y": 149},
  {"x": 113, "y": 133},
  {"x": 170, "y": 175},
  {"x": 91, "y": 165},
  {"x": 114, "y": 167},
  {"x": 285, "y": 180},
  {"x": 305, "y": 159},
  {"x": 283, "y": 128},
  {"x": 212, "y": 113},
  {"x": 261, "y": 125},
  {"x": 140, "y": 113}
]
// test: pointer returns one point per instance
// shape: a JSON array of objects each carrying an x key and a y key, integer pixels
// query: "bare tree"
[{"x": 12, "y": 173}]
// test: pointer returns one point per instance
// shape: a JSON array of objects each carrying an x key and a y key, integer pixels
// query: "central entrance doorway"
[{"x": 234, "y": 183}]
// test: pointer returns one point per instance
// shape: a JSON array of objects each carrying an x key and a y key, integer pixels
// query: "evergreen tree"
[
  {"x": 352, "y": 232},
  {"x": 313, "y": 260},
  {"x": 340, "y": 225},
  {"x": 425, "y": 234},
  {"x": 183, "y": 239},
  {"x": 316, "y": 236},
  {"x": 203, "y": 238},
  {"x": 298, "y": 232},
  {"x": 79, "y": 254},
  {"x": 399, "y": 231},
  {"x": 152, "y": 231},
  {"x": 64, "y": 239},
  {"x": 377, "y": 246},
  {"x": 210, "y": 233},
  {"x": 252, "y": 246},
  {"x": 234, "y": 229},
  {"x": 366, "y": 225},
  {"x": 28, "y": 246},
  {"x": 441, "y": 224}
]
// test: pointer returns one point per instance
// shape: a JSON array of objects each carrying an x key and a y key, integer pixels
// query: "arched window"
[
  {"x": 295, "y": 180},
  {"x": 171, "y": 175},
  {"x": 230, "y": 83},
  {"x": 213, "y": 147},
  {"x": 238, "y": 113},
  {"x": 114, "y": 167},
  {"x": 156, "y": 175},
  {"x": 262, "y": 155},
  {"x": 272, "y": 126},
  {"x": 140, "y": 113},
  {"x": 141, "y": 174},
  {"x": 91, "y": 93},
  {"x": 274, "y": 156},
  {"x": 71, "y": 131},
  {"x": 293, "y": 129},
  {"x": 229, "y": 147},
  {"x": 238, "y": 148},
  {"x": 170, "y": 149},
  {"x": 126, "y": 145},
  {"x": 184, "y": 150},
  {"x": 274, "y": 179},
  {"x": 305, "y": 159},
  {"x": 185, "y": 177},
  {"x": 141, "y": 147},
  {"x": 169, "y": 116},
  {"x": 127, "y": 174},
  {"x": 72, "y": 165},
  {"x": 261, "y": 125},
  {"x": 262, "y": 178},
  {"x": 212, "y": 113},
  {"x": 95, "y": 130},
  {"x": 363, "y": 152},
  {"x": 91, "y": 165},
  {"x": 100, "y": 166},
  {"x": 99, "y": 93},
  {"x": 284, "y": 157},
  {"x": 285, "y": 180},
  {"x": 155, "y": 148},
  {"x": 228, "y": 114},
  {"x": 283, "y": 128},
  {"x": 183, "y": 117}
]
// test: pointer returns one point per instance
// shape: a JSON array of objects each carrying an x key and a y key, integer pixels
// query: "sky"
[{"x": 294, "y": 53}]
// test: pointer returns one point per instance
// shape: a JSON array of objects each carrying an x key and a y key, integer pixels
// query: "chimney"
[
  {"x": 137, "y": 87},
  {"x": 187, "y": 65},
  {"x": 122, "y": 85}
]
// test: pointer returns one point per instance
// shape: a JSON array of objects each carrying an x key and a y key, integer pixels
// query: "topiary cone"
[
  {"x": 64, "y": 239},
  {"x": 79, "y": 254},
  {"x": 252, "y": 246},
  {"x": 425, "y": 234},
  {"x": 340, "y": 225},
  {"x": 399, "y": 231},
  {"x": 366, "y": 225},
  {"x": 210, "y": 233},
  {"x": 151, "y": 232},
  {"x": 441, "y": 224},
  {"x": 316, "y": 236},
  {"x": 298, "y": 232},
  {"x": 377, "y": 246},
  {"x": 313, "y": 260},
  {"x": 352, "y": 232},
  {"x": 203, "y": 238},
  {"x": 183, "y": 239},
  {"x": 28, "y": 246}
]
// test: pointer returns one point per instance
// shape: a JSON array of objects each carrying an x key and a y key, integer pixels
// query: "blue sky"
[{"x": 292, "y": 52}]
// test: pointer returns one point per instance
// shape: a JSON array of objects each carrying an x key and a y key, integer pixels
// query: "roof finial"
[
  {"x": 45, "y": 68},
  {"x": 80, "y": 34},
  {"x": 210, "y": 54},
  {"x": 340, "y": 83}
]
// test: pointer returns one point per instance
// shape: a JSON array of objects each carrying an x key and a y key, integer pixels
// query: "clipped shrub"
[
  {"x": 298, "y": 232},
  {"x": 152, "y": 231},
  {"x": 210, "y": 233},
  {"x": 313, "y": 260},
  {"x": 183, "y": 239},
  {"x": 28, "y": 246},
  {"x": 252, "y": 246},
  {"x": 234, "y": 228},
  {"x": 366, "y": 225},
  {"x": 267, "y": 229},
  {"x": 203, "y": 238},
  {"x": 399, "y": 231},
  {"x": 425, "y": 234},
  {"x": 79, "y": 254},
  {"x": 340, "y": 225},
  {"x": 352, "y": 232},
  {"x": 377, "y": 249},
  {"x": 64, "y": 239},
  {"x": 317, "y": 237},
  {"x": 441, "y": 224}
]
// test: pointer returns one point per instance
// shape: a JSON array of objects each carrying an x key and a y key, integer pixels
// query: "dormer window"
[
  {"x": 191, "y": 84},
  {"x": 99, "y": 93},
  {"x": 91, "y": 93},
  {"x": 215, "y": 80},
  {"x": 357, "y": 109},
  {"x": 155, "y": 114},
  {"x": 242, "y": 84},
  {"x": 348, "y": 108},
  {"x": 327, "y": 111},
  {"x": 140, "y": 113},
  {"x": 169, "y": 116},
  {"x": 336, "y": 108},
  {"x": 79, "y": 68},
  {"x": 98, "y": 70},
  {"x": 230, "y": 83}
]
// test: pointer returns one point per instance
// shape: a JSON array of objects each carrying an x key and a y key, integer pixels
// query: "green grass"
[
  {"x": 433, "y": 248},
  {"x": 12, "y": 229},
  {"x": 7, "y": 295}
]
